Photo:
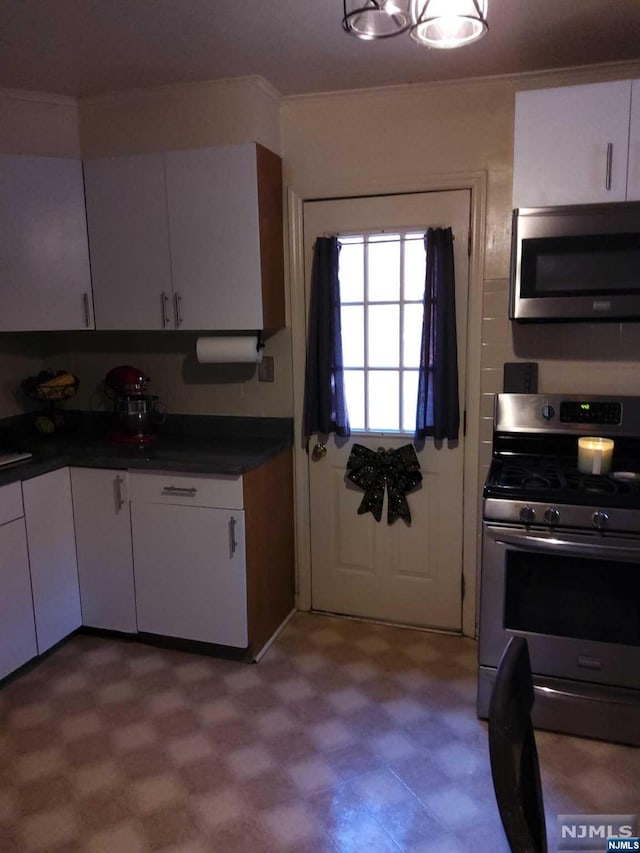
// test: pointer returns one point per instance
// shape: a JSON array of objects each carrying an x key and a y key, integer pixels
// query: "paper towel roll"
[{"x": 232, "y": 350}]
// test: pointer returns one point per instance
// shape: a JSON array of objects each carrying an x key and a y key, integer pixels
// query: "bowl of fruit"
[{"x": 51, "y": 387}]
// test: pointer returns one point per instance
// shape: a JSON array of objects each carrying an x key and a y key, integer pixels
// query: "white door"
[
  {"x": 633, "y": 174},
  {"x": 48, "y": 513},
  {"x": 214, "y": 232},
  {"x": 571, "y": 144},
  {"x": 44, "y": 252},
  {"x": 191, "y": 585},
  {"x": 103, "y": 543},
  {"x": 17, "y": 628},
  {"x": 398, "y": 573},
  {"x": 129, "y": 239}
]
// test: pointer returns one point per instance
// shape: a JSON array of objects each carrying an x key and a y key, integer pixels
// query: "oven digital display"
[{"x": 590, "y": 412}]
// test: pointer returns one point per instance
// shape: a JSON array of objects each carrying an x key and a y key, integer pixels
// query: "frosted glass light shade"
[{"x": 447, "y": 24}]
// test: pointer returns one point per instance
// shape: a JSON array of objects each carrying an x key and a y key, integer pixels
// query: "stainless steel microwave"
[{"x": 576, "y": 263}]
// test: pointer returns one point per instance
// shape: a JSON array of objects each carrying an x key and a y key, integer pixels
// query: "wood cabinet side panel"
[
  {"x": 268, "y": 500},
  {"x": 270, "y": 204}
]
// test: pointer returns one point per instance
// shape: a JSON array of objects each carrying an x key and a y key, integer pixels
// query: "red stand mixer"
[{"x": 137, "y": 415}]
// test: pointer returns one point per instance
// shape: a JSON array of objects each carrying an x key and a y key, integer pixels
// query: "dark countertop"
[{"x": 198, "y": 444}]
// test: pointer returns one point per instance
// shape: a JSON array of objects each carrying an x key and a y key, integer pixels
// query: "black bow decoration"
[{"x": 371, "y": 470}]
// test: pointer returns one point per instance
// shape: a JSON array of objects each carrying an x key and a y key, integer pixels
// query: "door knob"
[{"x": 319, "y": 451}]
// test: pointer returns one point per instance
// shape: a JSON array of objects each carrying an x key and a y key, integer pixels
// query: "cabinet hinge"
[
  {"x": 464, "y": 422},
  {"x": 463, "y": 587},
  {"x": 470, "y": 243}
]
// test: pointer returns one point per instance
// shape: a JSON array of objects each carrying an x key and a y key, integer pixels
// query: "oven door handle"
[{"x": 526, "y": 542}]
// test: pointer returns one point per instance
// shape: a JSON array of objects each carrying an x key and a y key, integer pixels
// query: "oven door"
[{"x": 574, "y": 596}]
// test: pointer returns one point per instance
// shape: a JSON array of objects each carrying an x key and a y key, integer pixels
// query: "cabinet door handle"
[
  {"x": 120, "y": 499},
  {"x": 607, "y": 178},
  {"x": 180, "y": 491},
  {"x": 233, "y": 542},
  {"x": 87, "y": 314},
  {"x": 177, "y": 304},
  {"x": 165, "y": 310}
]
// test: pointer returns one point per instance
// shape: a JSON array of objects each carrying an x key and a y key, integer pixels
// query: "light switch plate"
[{"x": 265, "y": 369}]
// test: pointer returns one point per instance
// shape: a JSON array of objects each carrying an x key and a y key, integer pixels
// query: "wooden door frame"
[{"x": 476, "y": 182}]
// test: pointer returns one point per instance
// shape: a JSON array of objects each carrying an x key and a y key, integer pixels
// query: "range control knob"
[
  {"x": 527, "y": 515},
  {"x": 600, "y": 520},
  {"x": 548, "y": 412},
  {"x": 551, "y": 516}
]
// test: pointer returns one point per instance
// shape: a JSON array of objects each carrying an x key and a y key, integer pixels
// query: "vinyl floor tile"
[{"x": 346, "y": 737}]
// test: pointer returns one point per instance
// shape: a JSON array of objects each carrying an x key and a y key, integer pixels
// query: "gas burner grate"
[{"x": 535, "y": 475}]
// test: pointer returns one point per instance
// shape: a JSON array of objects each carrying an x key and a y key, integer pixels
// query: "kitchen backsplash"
[
  {"x": 167, "y": 358},
  {"x": 589, "y": 358}
]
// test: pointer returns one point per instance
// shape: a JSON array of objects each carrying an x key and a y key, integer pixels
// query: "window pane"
[
  {"x": 412, "y": 334},
  {"x": 352, "y": 320},
  {"x": 354, "y": 392},
  {"x": 384, "y": 389},
  {"x": 351, "y": 271},
  {"x": 384, "y": 268},
  {"x": 409, "y": 399},
  {"x": 384, "y": 336},
  {"x": 414, "y": 269}
]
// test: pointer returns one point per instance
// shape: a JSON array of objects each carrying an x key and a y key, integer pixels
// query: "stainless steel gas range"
[{"x": 561, "y": 561}]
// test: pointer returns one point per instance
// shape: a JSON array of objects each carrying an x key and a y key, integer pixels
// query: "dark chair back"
[{"x": 512, "y": 749}]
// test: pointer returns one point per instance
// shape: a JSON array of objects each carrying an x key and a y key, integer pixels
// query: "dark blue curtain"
[
  {"x": 438, "y": 411},
  {"x": 325, "y": 408}
]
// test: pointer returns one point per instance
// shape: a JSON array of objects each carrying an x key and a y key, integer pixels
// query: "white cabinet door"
[
  {"x": 190, "y": 576},
  {"x": 129, "y": 242},
  {"x": 567, "y": 140},
  {"x": 633, "y": 177},
  {"x": 17, "y": 629},
  {"x": 214, "y": 231},
  {"x": 48, "y": 515},
  {"x": 103, "y": 544},
  {"x": 44, "y": 257}
]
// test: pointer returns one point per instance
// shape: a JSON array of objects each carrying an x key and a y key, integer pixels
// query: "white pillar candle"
[{"x": 595, "y": 455}]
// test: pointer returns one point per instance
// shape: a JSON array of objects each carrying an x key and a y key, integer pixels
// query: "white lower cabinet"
[
  {"x": 17, "y": 628},
  {"x": 48, "y": 514},
  {"x": 189, "y": 557},
  {"x": 103, "y": 543}
]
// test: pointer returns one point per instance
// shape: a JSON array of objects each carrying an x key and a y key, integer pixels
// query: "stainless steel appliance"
[
  {"x": 561, "y": 561},
  {"x": 576, "y": 263},
  {"x": 136, "y": 414}
]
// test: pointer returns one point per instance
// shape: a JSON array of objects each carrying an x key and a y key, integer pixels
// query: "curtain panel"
[
  {"x": 325, "y": 408},
  {"x": 438, "y": 410}
]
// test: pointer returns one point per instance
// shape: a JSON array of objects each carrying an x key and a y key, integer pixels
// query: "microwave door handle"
[{"x": 526, "y": 542}]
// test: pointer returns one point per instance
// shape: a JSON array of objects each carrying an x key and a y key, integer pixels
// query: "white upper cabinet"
[
  {"x": 633, "y": 177},
  {"x": 572, "y": 144},
  {"x": 129, "y": 242},
  {"x": 45, "y": 281},
  {"x": 215, "y": 237},
  {"x": 187, "y": 239}
]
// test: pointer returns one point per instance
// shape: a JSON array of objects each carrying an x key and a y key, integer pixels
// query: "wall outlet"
[{"x": 265, "y": 369}]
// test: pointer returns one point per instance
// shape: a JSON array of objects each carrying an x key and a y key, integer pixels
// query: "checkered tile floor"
[{"x": 345, "y": 737}]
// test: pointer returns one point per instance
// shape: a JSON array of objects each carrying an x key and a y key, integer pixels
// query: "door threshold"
[{"x": 447, "y": 632}]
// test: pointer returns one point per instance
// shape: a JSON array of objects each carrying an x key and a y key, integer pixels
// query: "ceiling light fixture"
[{"x": 442, "y": 24}]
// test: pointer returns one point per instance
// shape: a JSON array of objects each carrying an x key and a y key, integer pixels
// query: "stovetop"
[{"x": 554, "y": 479}]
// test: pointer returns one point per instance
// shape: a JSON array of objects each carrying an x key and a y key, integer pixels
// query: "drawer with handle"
[{"x": 206, "y": 490}]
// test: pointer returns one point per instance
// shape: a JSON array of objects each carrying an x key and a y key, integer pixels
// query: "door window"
[{"x": 382, "y": 279}]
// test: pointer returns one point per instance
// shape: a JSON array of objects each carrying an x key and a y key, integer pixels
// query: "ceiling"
[{"x": 85, "y": 47}]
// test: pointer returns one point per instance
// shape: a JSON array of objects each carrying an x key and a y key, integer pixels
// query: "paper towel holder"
[{"x": 260, "y": 344}]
